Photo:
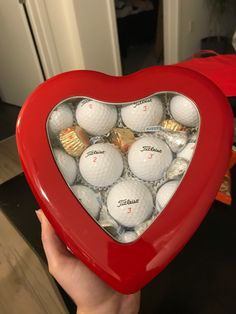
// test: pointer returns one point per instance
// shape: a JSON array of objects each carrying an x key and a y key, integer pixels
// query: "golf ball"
[
  {"x": 142, "y": 114},
  {"x": 128, "y": 236},
  {"x": 66, "y": 165},
  {"x": 88, "y": 199},
  {"x": 149, "y": 157},
  {"x": 60, "y": 118},
  {"x": 187, "y": 152},
  {"x": 165, "y": 192},
  {"x": 130, "y": 203},
  {"x": 184, "y": 111},
  {"x": 95, "y": 117},
  {"x": 101, "y": 164}
]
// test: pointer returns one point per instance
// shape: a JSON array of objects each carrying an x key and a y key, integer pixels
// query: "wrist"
[{"x": 116, "y": 304}]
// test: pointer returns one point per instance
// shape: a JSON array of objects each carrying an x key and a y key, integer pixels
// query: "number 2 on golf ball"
[{"x": 101, "y": 164}]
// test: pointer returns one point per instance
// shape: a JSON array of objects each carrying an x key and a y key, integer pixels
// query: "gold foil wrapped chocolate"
[
  {"x": 172, "y": 125},
  {"x": 74, "y": 140},
  {"x": 122, "y": 138}
]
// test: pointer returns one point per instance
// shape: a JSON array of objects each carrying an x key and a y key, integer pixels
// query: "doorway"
[{"x": 140, "y": 33}]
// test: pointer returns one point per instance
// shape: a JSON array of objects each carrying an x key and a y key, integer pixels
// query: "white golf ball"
[
  {"x": 60, "y": 118},
  {"x": 66, "y": 165},
  {"x": 128, "y": 236},
  {"x": 184, "y": 111},
  {"x": 101, "y": 164},
  {"x": 142, "y": 114},
  {"x": 187, "y": 152},
  {"x": 88, "y": 199},
  {"x": 165, "y": 193},
  {"x": 95, "y": 117},
  {"x": 149, "y": 157},
  {"x": 130, "y": 203}
]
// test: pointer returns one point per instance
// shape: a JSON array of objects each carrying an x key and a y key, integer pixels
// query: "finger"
[{"x": 54, "y": 248}]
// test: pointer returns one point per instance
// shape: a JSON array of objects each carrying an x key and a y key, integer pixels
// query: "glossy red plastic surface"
[{"x": 127, "y": 267}]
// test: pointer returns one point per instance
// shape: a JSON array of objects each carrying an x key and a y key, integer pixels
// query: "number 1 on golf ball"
[{"x": 95, "y": 117}]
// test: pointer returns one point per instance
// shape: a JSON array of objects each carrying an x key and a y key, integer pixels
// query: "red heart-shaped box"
[{"x": 127, "y": 267}]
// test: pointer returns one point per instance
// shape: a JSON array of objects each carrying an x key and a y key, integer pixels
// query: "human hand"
[{"x": 90, "y": 293}]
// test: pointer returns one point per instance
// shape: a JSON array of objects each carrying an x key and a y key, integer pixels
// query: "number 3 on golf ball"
[
  {"x": 142, "y": 114},
  {"x": 130, "y": 203},
  {"x": 149, "y": 157}
]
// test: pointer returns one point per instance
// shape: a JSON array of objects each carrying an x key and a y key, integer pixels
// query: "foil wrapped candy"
[
  {"x": 74, "y": 140},
  {"x": 175, "y": 140},
  {"x": 177, "y": 168},
  {"x": 108, "y": 223}
]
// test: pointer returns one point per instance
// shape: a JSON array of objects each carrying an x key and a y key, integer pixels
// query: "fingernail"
[{"x": 38, "y": 214}]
